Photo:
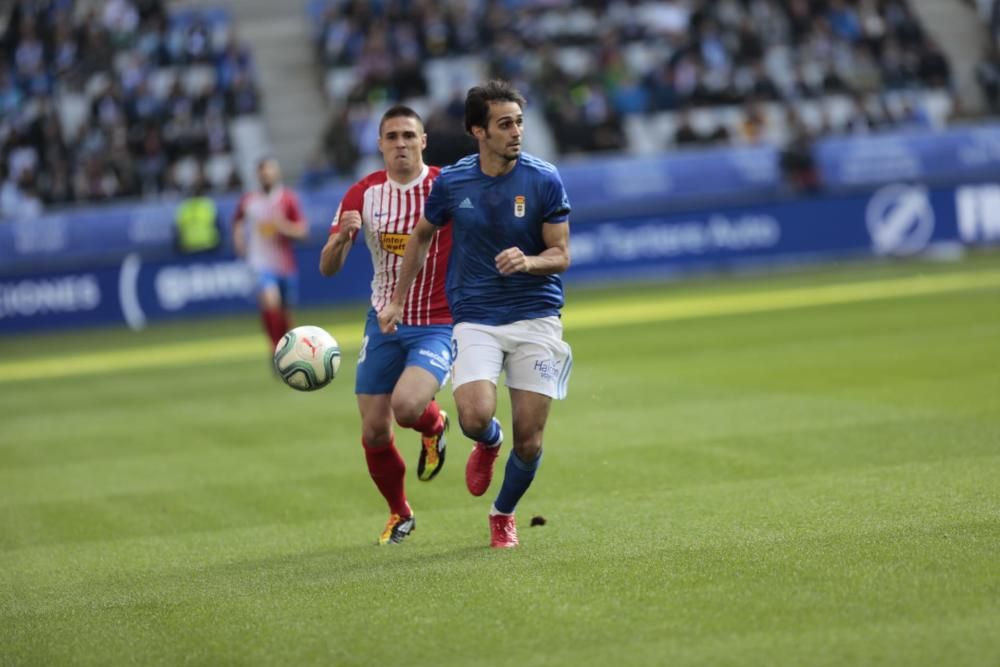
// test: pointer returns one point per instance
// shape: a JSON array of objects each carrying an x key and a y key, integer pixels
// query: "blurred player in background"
[
  {"x": 264, "y": 225},
  {"x": 510, "y": 219},
  {"x": 398, "y": 375}
]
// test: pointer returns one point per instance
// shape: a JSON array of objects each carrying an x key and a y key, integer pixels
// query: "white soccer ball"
[{"x": 307, "y": 358}]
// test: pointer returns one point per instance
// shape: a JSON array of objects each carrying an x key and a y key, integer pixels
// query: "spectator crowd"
[
  {"x": 120, "y": 98},
  {"x": 591, "y": 65},
  {"x": 127, "y": 98}
]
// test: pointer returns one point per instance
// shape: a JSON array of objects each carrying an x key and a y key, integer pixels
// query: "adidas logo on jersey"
[{"x": 466, "y": 204}]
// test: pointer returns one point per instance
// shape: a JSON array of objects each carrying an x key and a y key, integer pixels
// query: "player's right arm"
[
  {"x": 334, "y": 254},
  {"x": 343, "y": 230},
  {"x": 417, "y": 247}
]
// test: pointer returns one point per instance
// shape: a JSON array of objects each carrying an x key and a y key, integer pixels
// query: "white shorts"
[{"x": 531, "y": 352}]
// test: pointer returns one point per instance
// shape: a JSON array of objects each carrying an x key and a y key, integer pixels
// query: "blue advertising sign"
[
  {"x": 136, "y": 292},
  {"x": 600, "y": 191},
  {"x": 95, "y": 236},
  {"x": 645, "y": 186},
  {"x": 597, "y": 189},
  {"x": 896, "y": 220},
  {"x": 946, "y": 157}
]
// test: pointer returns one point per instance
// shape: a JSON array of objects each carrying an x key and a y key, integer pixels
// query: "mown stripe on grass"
[
  {"x": 608, "y": 312},
  {"x": 624, "y": 311}
]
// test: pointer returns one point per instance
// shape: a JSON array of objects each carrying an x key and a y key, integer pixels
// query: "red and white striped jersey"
[
  {"x": 266, "y": 249},
  {"x": 389, "y": 212}
]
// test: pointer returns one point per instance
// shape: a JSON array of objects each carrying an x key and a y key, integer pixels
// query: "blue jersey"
[{"x": 490, "y": 214}]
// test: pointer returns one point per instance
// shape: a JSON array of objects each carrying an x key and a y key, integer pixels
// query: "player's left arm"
[
  {"x": 291, "y": 222},
  {"x": 239, "y": 229},
  {"x": 554, "y": 259},
  {"x": 555, "y": 236},
  {"x": 414, "y": 258}
]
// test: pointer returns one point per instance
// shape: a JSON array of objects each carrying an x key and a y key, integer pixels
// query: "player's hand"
[
  {"x": 350, "y": 223},
  {"x": 511, "y": 260},
  {"x": 239, "y": 246},
  {"x": 390, "y": 316}
]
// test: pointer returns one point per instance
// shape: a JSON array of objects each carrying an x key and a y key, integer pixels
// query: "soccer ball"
[{"x": 307, "y": 358}]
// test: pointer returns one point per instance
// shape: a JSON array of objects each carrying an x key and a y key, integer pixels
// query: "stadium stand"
[
  {"x": 116, "y": 99},
  {"x": 632, "y": 76},
  {"x": 988, "y": 69}
]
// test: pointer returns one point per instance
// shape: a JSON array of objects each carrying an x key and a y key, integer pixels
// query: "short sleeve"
[
  {"x": 436, "y": 208},
  {"x": 556, "y": 200},
  {"x": 293, "y": 208},
  {"x": 240, "y": 208},
  {"x": 353, "y": 201}
]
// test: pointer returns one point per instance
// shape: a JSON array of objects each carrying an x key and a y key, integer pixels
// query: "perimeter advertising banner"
[
  {"x": 943, "y": 157},
  {"x": 896, "y": 220}
]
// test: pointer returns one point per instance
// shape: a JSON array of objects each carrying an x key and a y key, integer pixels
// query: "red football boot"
[
  {"x": 503, "y": 531},
  {"x": 479, "y": 468}
]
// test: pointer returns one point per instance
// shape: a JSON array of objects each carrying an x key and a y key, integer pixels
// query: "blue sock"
[
  {"x": 516, "y": 479},
  {"x": 490, "y": 437}
]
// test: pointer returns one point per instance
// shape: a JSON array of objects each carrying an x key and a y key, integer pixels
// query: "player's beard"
[{"x": 505, "y": 152}]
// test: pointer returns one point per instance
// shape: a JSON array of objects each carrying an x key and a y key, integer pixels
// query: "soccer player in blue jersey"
[{"x": 510, "y": 239}]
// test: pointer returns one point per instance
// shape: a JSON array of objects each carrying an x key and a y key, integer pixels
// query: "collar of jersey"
[
  {"x": 406, "y": 186},
  {"x": 274, "y": 194},
  {"x": 479, "y": 166}
]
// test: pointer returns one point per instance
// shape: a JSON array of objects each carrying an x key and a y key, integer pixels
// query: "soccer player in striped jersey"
[
  {"x": 510, "y": 218},
  {"x": 265, "y": 223},
  {"x": 398, "y": 375}
]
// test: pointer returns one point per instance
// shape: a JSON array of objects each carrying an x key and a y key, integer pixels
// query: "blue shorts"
[
  {"x": 288, "y": 286},
  {"x": 384, "y": 357}
]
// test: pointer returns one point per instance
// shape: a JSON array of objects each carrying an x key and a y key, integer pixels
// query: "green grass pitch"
[{"x": 737, "y": 478}]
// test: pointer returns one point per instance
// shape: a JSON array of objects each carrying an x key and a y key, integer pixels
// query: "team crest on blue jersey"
[{"x": 519, "y": 206}]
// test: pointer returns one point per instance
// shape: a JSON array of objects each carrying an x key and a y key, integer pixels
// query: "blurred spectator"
[
  {"x": 193, "y": 45},
  {"x": 590, "y": 65},
  {"x": 860, "y": 119},
  {"x": 197, "y": 227},
  {"x": 911, "y": 117},
  {"x": 797, "y": 162},
  {"x": 120, "y": 18},
  {"x": 96, "y": 50},
  {"x": 152, "y": 161},
  {"x": 116, "y": 134},
  {"x": 234, "y": 61},
  {"x": 753, "y": 126},
  {"x": 988, "y": 76},
  {"x": 108, "y": 108},
  {"x": 685, "y": 134},
  {"x": 340, "y": 152},
  {"x": 932, "y": 65},
  {"x": 242, "y": 97},
  {"x": 18, "y": 196},
  {"x": 447, "y": 141}
]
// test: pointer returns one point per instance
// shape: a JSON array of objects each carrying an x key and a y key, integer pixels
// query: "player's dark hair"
[
  {"x": 477, "y": 102},
  {"x": 399, "y": 111}
]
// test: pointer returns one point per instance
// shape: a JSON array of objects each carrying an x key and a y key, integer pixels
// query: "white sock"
[{"x": 495, "y": 512}]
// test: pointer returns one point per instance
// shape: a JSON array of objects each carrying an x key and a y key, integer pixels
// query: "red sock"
[
  {"x": 430, "y": 422},
  {"x": 387, "y": 469},
  {"x": 274, "y": 324}
]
